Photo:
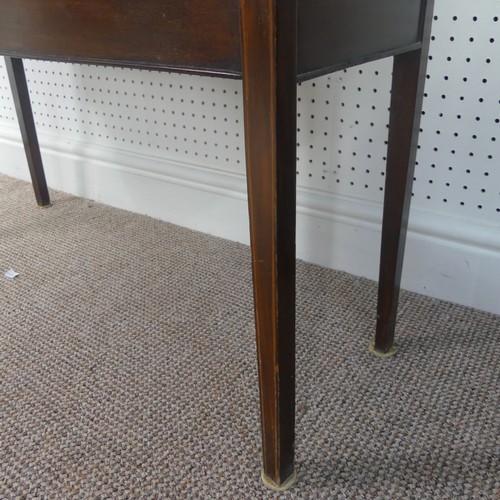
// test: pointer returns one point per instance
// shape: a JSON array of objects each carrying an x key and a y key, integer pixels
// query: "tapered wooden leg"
[
  {"x": 269, "y": 84},
  {"x": 17, "y": 78},
  {"x": 406, "y": 107}
]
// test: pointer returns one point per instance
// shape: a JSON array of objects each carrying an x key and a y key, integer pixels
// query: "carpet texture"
[{"x": 128, "y": 370}]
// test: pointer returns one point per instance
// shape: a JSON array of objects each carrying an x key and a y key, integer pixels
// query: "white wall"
[{"x": 171, "y": 146}]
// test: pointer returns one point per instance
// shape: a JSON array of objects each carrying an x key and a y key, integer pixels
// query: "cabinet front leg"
[
  {"x": 19, "y": 86},
  {"x": 269, "y": 85}
]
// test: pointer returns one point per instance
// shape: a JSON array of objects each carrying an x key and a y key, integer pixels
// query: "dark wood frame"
[{"x": 270, "y": 44}]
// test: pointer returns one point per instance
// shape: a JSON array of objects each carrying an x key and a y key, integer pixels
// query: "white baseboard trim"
[{"x": 446, "y": 257}]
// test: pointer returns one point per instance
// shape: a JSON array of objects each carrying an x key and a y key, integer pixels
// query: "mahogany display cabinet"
[{"x": 271, "y": 45}]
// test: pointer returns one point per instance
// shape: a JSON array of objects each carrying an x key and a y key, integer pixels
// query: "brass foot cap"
[
  {"x": 382, "y": 354},
  {"x": 45, "y": 206},
  {"x": 283, "y": 486}
]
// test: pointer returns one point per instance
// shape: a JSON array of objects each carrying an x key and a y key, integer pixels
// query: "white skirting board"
[{"x": 446, "y": 257}]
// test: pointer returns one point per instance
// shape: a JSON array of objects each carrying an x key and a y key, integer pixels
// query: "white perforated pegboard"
[
  {"x": 342, "y": 118},
  {"x": 342, "y": 131},
  {"x": 186, "y": 118},
  {"x": 460, "y": 141}
]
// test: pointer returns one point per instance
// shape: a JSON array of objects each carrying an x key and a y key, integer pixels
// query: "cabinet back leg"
[
  {"x": 19, "y": 86},
  {"x": 406, "y": 108}
]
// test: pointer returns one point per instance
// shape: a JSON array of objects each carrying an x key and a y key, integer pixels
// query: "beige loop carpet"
[{"x": 128, "y": 370}]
